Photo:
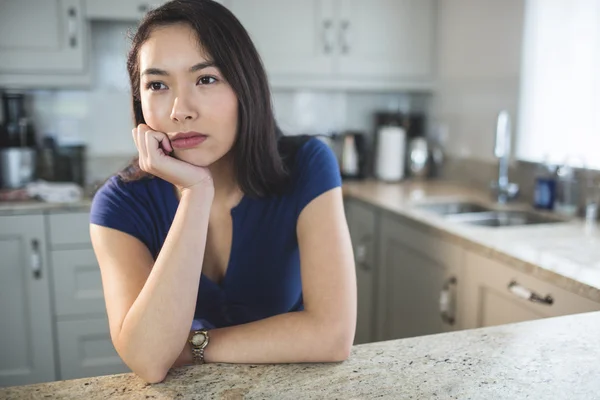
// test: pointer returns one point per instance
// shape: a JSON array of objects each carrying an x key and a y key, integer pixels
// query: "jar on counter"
[{"x": 567, "y": 192}]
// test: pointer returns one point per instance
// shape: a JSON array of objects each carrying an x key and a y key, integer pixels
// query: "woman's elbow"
[{"x": 153, "y": 376}]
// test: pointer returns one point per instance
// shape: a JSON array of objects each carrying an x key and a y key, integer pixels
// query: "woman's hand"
[{"x": 154, "y": 149}]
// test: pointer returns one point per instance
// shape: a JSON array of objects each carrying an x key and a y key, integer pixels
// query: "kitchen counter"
[
  {"x": 553, "y": 358},
  {"x": 566, "y": 255},
  {"x": 40, "y": 207}
]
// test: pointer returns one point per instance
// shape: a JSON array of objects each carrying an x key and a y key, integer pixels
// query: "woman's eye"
[
  {"x": 207, "y": 80},
  {"x": 155, "y": 86}
]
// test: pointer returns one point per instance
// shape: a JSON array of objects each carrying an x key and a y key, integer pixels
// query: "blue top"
[{"x": 263, "y": 274}]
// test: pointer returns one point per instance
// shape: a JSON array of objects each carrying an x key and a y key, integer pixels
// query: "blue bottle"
[{"x": 545, "y": 187}]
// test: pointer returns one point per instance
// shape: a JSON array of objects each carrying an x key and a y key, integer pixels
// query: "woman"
[{"x": 200, "y": 239}]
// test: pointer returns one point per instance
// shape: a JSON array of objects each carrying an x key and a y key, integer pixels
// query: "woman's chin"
[{"x": 197, "y": 160}]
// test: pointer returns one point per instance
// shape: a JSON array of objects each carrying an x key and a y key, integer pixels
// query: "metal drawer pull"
[
  {"x": 344, "y": 37},
  {"x": 361, "y": 253},
  {"x": 72, "y": 27},
  {"x": 448, "y": 302},
  {"x": 36, "y": 259},
  {"x": 527, "y": 294},
  {"x": 327, "y": 42}
]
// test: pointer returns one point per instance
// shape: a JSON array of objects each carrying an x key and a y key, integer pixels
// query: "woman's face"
[{"x": 181, "y": 91}]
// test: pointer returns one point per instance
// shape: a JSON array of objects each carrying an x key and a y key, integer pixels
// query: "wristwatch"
[{"x": 199, "y": 341}]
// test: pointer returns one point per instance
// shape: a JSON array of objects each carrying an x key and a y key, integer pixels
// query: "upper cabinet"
[
  {"x": 390, "y": 39},
  {"x": 119, "y": 10},
  {"x": 343, "y": 44},
  {"x": 42, "y": 42},
  {"x": 294, "y": 38}
]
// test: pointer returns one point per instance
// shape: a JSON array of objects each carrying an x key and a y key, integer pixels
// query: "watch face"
[{"x": 198, "y": 339}]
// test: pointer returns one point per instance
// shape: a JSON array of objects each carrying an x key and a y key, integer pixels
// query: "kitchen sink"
[
  {"x": 454, "y": 208},
  {"x": 504, "y": 218}
]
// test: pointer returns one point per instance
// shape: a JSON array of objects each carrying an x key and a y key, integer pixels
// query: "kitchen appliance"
[
  {"x": 390, "y": 153},
  {"x": 350, "y": 149},
  {"x": 17, "y": 143},
  {"x": 17, "y": 167},
  {"x": 70, "y": 163},
  {"x": 418, "y": 155}
]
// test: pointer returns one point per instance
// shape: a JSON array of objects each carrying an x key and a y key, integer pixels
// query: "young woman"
[{"x": 223, "y": 241}]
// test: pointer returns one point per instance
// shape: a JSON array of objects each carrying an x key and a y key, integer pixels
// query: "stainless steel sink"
[
  {"x": 504, "y": 218},
  {"x": 454, "y": 208}
]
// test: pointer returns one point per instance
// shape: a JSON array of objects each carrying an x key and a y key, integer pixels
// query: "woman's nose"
[{"x": 183, "y": 110}]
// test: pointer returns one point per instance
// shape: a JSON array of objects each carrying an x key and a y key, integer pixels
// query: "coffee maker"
[{"x": 17, "y": 143}]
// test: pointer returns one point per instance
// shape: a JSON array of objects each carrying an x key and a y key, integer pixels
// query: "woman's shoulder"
[{"x": 305, "y": 152}]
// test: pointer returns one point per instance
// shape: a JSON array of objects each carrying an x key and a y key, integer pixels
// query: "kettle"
[{"x": 350, "y": 150}]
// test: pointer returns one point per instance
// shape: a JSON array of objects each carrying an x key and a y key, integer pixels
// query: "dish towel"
[{"x": 55, "y": 192}]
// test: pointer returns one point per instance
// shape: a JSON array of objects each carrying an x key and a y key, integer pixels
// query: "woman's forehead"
[{"x": 174, "y": 45}]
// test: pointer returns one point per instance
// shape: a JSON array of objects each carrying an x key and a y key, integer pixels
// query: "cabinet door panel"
[
  {"x": 26, "y": 344},
  {"x": 292, "y": 37},
  {"x": 85, "y": 349},
  {"x": 60, "y": 47},
  {"x": 387, "y": 38},
  {"x": 362, "y": 221}
]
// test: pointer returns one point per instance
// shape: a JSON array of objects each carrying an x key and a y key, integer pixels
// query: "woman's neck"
[{"x": 227, "y": 190}]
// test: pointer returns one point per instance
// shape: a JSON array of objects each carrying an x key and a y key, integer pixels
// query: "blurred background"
[{"x": 402, "y": 90}]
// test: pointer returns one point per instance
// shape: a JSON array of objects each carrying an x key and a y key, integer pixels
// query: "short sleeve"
[
  {"x": 115, "y": 205},
  {"x": 317, "y": 171}
]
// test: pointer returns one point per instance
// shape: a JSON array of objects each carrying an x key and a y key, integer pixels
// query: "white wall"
[{"x": 479, "y": 59}]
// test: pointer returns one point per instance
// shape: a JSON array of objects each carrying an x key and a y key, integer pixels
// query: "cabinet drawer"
[
  {"x": 69, "y": 229},
  {"x": 424, "y": 242},
  {"x": 85, "y": 349},
  {"x": 77, "y": 283},
  {"x": 490, "y": 301}
]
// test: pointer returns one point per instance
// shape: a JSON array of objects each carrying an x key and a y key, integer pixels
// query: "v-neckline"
[{"x": 232, "y": 212}]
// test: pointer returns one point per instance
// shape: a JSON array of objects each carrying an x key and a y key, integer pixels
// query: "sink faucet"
[{"x": 503, "y": 190}]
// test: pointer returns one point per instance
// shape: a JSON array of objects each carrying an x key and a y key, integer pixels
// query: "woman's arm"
[
  {"x": 151, "y": 304},
  {"x": 324, "y": 331}
]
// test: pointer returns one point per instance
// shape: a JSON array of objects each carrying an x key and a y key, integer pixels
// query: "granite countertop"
[
  {"x": 553, "y": 358},
  {"x": 39, "y": 207},
  {"x": 564, "y": 254}
]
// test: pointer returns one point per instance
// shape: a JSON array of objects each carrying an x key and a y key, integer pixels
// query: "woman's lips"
[{"x": 188, "y": 141}]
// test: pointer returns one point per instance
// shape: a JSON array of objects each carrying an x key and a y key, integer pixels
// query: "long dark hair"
[{"x": 258, "y": 165}]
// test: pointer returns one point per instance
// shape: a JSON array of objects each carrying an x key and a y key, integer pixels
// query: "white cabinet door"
[
  {"x": 85, "y": 349},
  {"x": 42, "y": 36},
  {"x": 415, "y": 269},
  {"x": 119, "y": 10},
  {"x": 26, "y": 340},
  {"x": 391, "y": 39},
  {"x": 362, "y": 222},
  {"x": 294, "y": 38},
  {"x": 494, "y": 294}
]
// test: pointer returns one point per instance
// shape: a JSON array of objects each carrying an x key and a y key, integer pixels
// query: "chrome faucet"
[{"x": 503, "y": 190}]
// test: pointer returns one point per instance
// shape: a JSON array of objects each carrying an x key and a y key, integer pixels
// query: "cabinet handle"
[
  {"x": 448, "y": 302},
  {"x": 327, "y": 41},
  {"x": 524, "y": 293},
  {"x": 361, "y": 252},
  {"x": 72, "y": 26},
  {"x": 36, "y": 259},
  {"x": 344, "y": 39}
]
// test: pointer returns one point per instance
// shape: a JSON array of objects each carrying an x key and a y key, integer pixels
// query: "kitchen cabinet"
[
  {"x": 362, "y": 223},
  {"x": 43, "y": 43},
  {"x": 496, "y": 294},
  {"x": 26, "y": 335},
  {"x": 343, "y": 44},
  {"x": 119, "y": 10},
  {"x": 418, "y": 271},
  {"x": 390, "y": 39},
  {"x": 84, "y": 346},
  {"x": 85, "y": 349},
  {"x": 294, "y": 38}
]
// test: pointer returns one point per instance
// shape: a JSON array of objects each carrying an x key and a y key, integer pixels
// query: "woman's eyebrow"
[{"x": 162, "y": 72}]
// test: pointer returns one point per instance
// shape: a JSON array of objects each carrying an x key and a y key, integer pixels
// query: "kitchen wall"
[
  {"x": 479, "y": 56},
  {"x": 100, "y": 116}
]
